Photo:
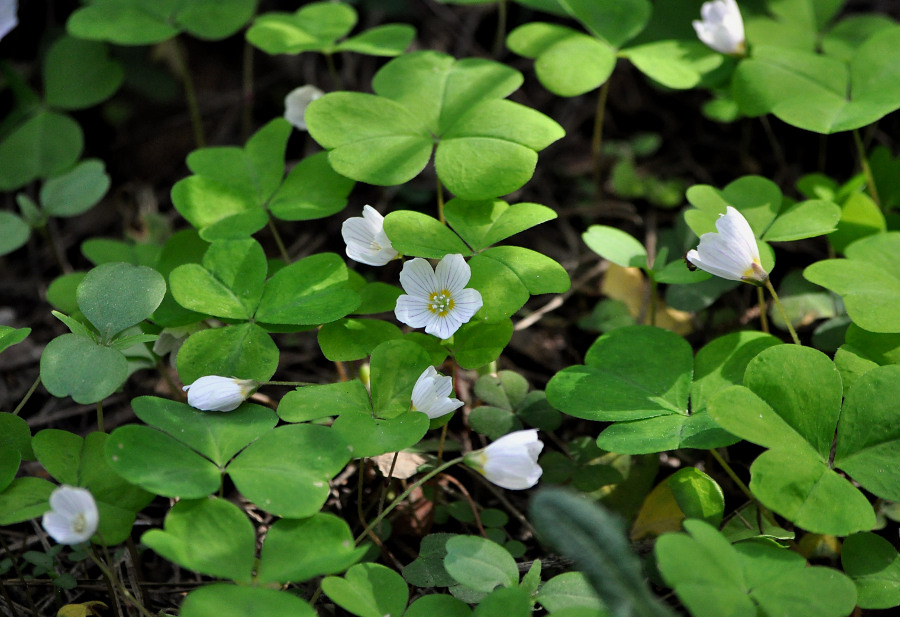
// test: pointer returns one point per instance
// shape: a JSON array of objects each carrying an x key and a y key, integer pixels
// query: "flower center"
[
  {"x": 440, "y": 302},
  {"x": 79, "y": 524}
]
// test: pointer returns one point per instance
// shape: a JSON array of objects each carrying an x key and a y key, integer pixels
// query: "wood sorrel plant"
[{"x": 347, "y": 442}]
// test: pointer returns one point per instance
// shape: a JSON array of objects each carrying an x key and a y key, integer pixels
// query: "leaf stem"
[
  {"x": 763, "y": 318},
  {"x": 597, "y": 139},
  {"x": 440, "y": 201},
  {"x": 866, "y": 168},
  {"x": 281, "y": 248},
  {"x": 332, "y": 70},
  {"x": 247, "y": 92},
  {"x": 190, "y": 93},
  {"x": 110, "y": 575},
  {"x": 100, "y": 416},
  {"x": 412, "y": 487},
  {"x": 784, "y": 315},
  {"x": 286, "y": 383},
  {"x": 501, "y": 28},
  {"x": 744, "y": 488},
  {"x": 27, "y": 395}
]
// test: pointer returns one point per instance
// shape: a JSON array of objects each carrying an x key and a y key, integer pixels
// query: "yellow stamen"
[{"x": 440, "y": 302}]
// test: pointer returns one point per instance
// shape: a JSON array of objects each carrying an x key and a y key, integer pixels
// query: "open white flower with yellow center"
[
  {"x": 296, "y": 102},
  {"x": 731, "y": 252},
  {"x": 722, "y": 27},
  {"x": 431, "y": 394},
  {"x": 215, "y": 393},
  {"x": 511, "y": 461},
  {"x": 73, "y": 516},
  {"x": 437, "y": 300},
  {"x": 365, "y": 238}
]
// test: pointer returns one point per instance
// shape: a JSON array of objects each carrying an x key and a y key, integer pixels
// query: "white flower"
[
  {"x": 511, "y": 461},
  {"x": 8, "y": 19},
  {"x": 722, "y": 27},
  {"x": 296, "y": 102},
  {"x": 731, "y": 252},
  {"x": 437, "y": 299},
  {"x": 431, "y": 394},
  {"x": 214, "y": 393},
  {"x": 73, "y": 517},
  {"x": 365, "y": 238}
]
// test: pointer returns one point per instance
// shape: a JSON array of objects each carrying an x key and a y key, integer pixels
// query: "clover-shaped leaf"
[
  {"x": 640, "y": 377},
  {"x": 791, "y": 403}
]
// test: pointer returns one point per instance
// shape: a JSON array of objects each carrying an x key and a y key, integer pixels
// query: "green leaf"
[
  {"x": 486, "y": 222},
  {"x": 819, "y": 93},
  {"x": 616, "y": 245},
  {"x": 806, "y": 219},
  {"x": 315, "y": 27},
  {"x": 506, "y": 389},
  {"x": 116, "y": 296},
  {"x": 427, "y": 569},
  {"x": 758, "y": 200},
  {"x": 216, "y": 436},
  {"x": 868, "y": 280},
  {"x": 377, "y": 297},
  {"x": 14, "y": 232},
  {"x": 354, "y": 339},
  {"x": 144, "y": 22},
  {"x": 312, "y": 190},
  {"x": 299, "y": 550},
  {"x": 303, "y": 456},
  {"x": 551, "y": 46},
  {"x": 24, "y": 499},
  {"x": 245, "y": 351},
  {"x": 504, "y": 602},
  {"x": 614, "y": 22},
  {"x": 9, "y": 467},
  {"x": 678, "y": 64},
  {"x": 419, "y": 235},
  {"x": 369, "y": 436},
  {"x": 480, "y": 564},
  {"x": 76, "y": 366},
  {"x": 368, "y": 590},
  {"x": 210, "y": 536},
  {"x": 495, "y": 281},
  {"x": 15, "y": 436},
  {"x": 311, "y": 291},
  {"x": 860, "y": 217},
  {"x": 75, "y": 191},
  {"x": 240, "y": 601},
  {"x": 712, "y": 578},
  {"x": 438, "y": 604},
  {"x": 791, "y": 403},
  {"x": 479, "y": 342},
  {"x": 229, "y": 283},
  {"x": 873, "y": 564},
  {"x": 234, "y": 182},
  {"x": 79, "y": 73},
  {"x": 177, "y": 470},
  {"x": 538, "y": 273},
  {"x": 44, "y": 145},
  {"x": 569, "y": 590},
  {"x": 386, "y": 40},
  {"x": 321, "y": 401},
  {"x": 10, "y": 336}
]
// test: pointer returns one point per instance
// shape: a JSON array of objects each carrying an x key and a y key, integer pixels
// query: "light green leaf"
[
  {"x": 368, "y": 590},
  {"x": 245, "y": 351},
  {"x": 79, "y": 73},
  {"x": 45, "y": 144}
]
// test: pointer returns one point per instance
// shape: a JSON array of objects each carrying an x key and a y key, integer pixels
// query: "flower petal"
[
  {"x": 453, "y": 273},
  {"x": 417, "y": 278}
]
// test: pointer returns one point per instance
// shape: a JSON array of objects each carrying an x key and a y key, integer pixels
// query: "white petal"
[
  {"x": 73, "y": 517},
  {"x": 453, "y": 273},
  {"x": 8, "y": 19},
  {"x": 466, "y": 304},
  {"x": 296, "y": 102},
  {"x": 443, "y": 327},
  {"x": 511, "y": 461},
  {"x": 413, "y": 311},
  {"x": 417, "y": 278},
  {"x": 215, "y": 393}
]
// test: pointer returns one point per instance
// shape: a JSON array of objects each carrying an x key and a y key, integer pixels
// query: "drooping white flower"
[
  {"x": 214, "y": 393},
  {"x": 511, "y": 461},
  {"x": 8, "y": 19},
  {"x": 296, "y": 102},
  {"x": 431, "y": 394},
  {"x": 437, "y": 300},
  {"x": 73, "y": 516},
  {"x": 722, "y": 27},
  {"x": 731, "y": 252},
  {"x": 365, "y": 238}
]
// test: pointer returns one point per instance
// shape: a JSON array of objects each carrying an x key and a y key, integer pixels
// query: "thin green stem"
[
  {"x": 281, "y": 247},
  {"x": 50, "y": 237},
  {"x": 652, "y": 301},
  {"x": 27, "y": 395},
  {"x": 763, "y": 318},
  {"x": 247, "y": 91},
  {"x": 744, "y": 488},
  {"x": 286, "y": 383},
  {"x": 500, "y": 36},
  {"x": 110, "y": 575},
  {"x": 597, "y": 139},
  {"x": 100, "y": 416},
  {"x": 332, "y": 70},
  {"x": 784, "y": 315},
  {"x": 402, "y": 497},
  {"x": 190, "y": 94},
  {"x": 440, "y": 201},
  {"x": 387, "y": 483},
  {"x": 776, "y": 147},
  {"x": 866, "y": 168}
]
